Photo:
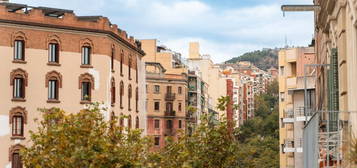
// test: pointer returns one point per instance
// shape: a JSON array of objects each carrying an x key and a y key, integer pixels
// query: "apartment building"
[
  {"x": 197, "y": 95},
  {"x": 166, "y": 103},
  {"x": 295, "y": 102},
  {"x": 53, "y": 58},
  {"x": 336, "y": 94},
  {"x": 211, "y": 74},
  {"x": 167, "y": 93}
]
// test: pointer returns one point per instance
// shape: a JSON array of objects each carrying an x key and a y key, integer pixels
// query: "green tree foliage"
[
  {"x": 259, "y": 137},
  {"x": 263, "y": 59},
  {"x": 87, "y": 140},
  {"x": 84, "y": 140},
  {"x": 209, "y": 146}
]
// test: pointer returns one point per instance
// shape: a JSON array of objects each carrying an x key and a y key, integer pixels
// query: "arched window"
[
  {"x": 121, "y": 62},
  {"x": 113, "y": 91},
  {"x": 18, "y": 79},
  {"x": 87, "y": 49},
  {"x": 129, "y": 67},
  {"x": 121, "y": 94},
  {"x": 136, "y": 71},
  {"x": 53, "y": 83},
  {"x": 129, "y": 97},
  {"x": 19, "y": 43},
  {"x": 121, "y": 121},
  {"x": 112, "y": 58},
  {"x": 137, "y": 99},
  {"x": 137, "y": 123},
  {"x": 14, "y": 156},
  {"x": 18, "y": 118},
  {"x": 86, "y": 84},
  {"x": 129, "y": 121},
  {"x": 53, "y": 50}
]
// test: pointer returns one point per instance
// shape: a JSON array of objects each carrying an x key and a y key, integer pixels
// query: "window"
[
  {"x": 17, "y": 126},
  {"x": 19, "y": 50},
  {"x": 157, "y": 106},
  {"x": 129, "y": 121},
  {"x": 19, "y": 88},
  {"x": 18, "y": 117},
  {"x": 137, "y": 100},
  {"x": 86, "y": 92},
  {"x": 86, "y": 53},
  {"x": 53, "y": 83},
  {"x": 53, "y": 53},
  {"x": 157, "y": 141},
  {"x": 121, "y": 121},
  {"x": 121, "y": 94},
  {"x": 169, "y": 89},
  {"x": 180, "y": 106},
  {"x": 16, "y": 160},
  {"x": 169, "y": 124},
  {"x": 112, "y": 58},
  {"x": 129, "y": 70},
  {"x": 121, "y": 62},
  {"x": 282, "y": 96},
  {"x": 86, "y": 84},
  {"x": 180, "y": 90},
  {"x": 129, "y": 97},
  {"x": 19, "y": 78},
  {"x": 137, "y": 123},
  {"x": 112, "y": 90},
  {"x": 53, "y": 90},
  {"x": 180, "y": 123},
  {"x": 157, "y": 124},
  {"x": 136, "y": 72},
  {"x": 156, "y": 89},
  {"x": 146, "y": 88}
]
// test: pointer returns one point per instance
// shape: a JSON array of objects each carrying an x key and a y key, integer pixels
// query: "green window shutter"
[{"x": 333, "y": 89}]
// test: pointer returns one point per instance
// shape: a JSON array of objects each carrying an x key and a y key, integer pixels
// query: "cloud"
[{"x": 224, "y": 31}]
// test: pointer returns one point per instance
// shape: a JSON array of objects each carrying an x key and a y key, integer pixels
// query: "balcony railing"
[
  {"x": 170, "y": 96},
  {"x": 170, "y": 113},
  {"x": 289, "y": 145},
  {"x": 288, "y": 116}
]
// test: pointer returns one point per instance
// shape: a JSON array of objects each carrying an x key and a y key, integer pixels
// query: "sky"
[{"x": 224, "y": 28}]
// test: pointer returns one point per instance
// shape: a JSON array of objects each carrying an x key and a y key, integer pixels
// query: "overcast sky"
[{"x": 224, "y": 28}]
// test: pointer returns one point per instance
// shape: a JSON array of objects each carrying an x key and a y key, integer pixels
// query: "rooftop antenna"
[{"x": 286, "y": 41}]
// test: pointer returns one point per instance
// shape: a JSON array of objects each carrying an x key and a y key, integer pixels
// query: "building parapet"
[{"x": 11, "y": 13}]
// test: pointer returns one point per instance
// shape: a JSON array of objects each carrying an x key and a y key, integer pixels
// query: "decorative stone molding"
[
  {"x": 13, "y": 149},
  {"x": 54, "y": 39},
  {"x": 86, "y": 78},
  {"x": 19, "y": 73},
  {"x": 18, "y": 111},
  {"x": 19, "y": 35},
  {"x": 86, "y": 43},
  {"x": 54, "y": 75}
]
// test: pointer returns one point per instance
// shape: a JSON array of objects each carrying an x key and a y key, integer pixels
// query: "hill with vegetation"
[{"x": 263, "y": 59}]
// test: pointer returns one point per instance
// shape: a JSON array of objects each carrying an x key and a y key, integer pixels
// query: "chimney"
[{"x": 194, "y": 51}]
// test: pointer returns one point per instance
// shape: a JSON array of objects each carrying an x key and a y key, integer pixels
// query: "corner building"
[{"x": 53, "y": 58}]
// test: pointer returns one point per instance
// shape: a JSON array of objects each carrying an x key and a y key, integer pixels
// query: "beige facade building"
[
  {"x": 292, "y": 111},
  {"x": 210, "y": 73},
  {"x": 53, "y": 58},
  {"x": 336, "y": 41}
]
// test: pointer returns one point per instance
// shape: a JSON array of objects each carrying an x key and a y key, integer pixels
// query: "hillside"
[{"x": 263, "y": 59}]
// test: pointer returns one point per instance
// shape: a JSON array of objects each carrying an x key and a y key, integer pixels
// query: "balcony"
[
  {"x": 289, "y": 146},
  {"x": 170, "y": 96},
  {"x": 301, "y": 115},
  {"x": 291, "y": 55},
  {"x": 288, "y": 116},
  {"x": 170, "y": 113},
  {"x": 169, "y": 132},
  {"x": 291, "y": 82}
]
